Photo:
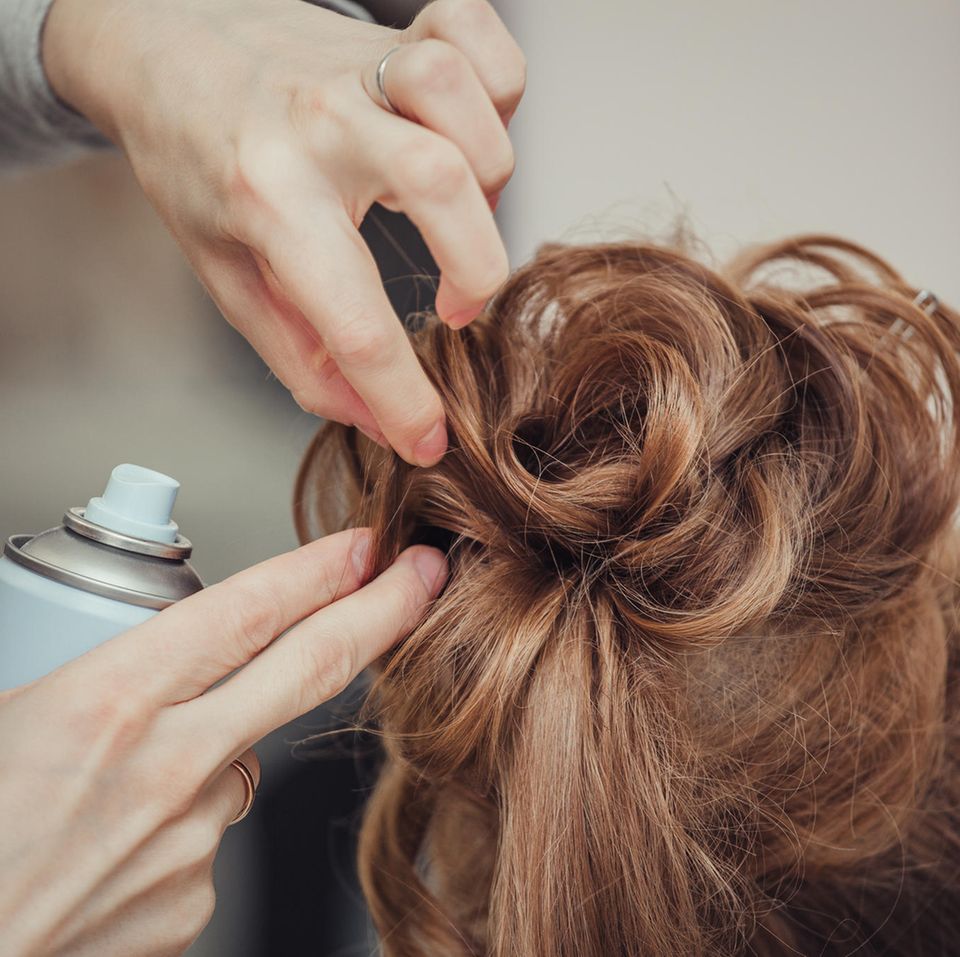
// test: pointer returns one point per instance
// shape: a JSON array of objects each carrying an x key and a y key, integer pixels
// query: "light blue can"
[{"x": 108, "y": 567}]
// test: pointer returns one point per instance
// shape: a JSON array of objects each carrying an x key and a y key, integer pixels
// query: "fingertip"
[
  {"x": 457, "y": 308},
  {"x": 454, "y": 308},
  {"x": 430, "y": 448},
  {"x": 463, "y": 317},
  {"x": 431, "y": 565}
]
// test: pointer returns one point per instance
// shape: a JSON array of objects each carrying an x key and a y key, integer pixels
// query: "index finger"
[
  {"x": 191, "y": 645},
  {"x": 327, "y": 270},
  {"x": 321, "y": 656}
]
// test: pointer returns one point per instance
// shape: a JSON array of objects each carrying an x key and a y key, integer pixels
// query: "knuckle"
[
  {"x": 416, "y": 418},
  {"x": 330, "y": 667},
  {"x": 322, "y": 114},
  {"x": 520, "y": 68},
  {"x": 197, "y": 840},
  {"x": 314, "y": 102},
  {"x": 459, "y": 16},
  {"x": 436, "y": 66},
  {"x": 259, "y": 163},
  {"x": 199, "y": 907},
  {"x": 359, "y": 341},
  {"x": 114, "y": 721},
  {"x": 508, "y": 86},
  {"x": 501, "y": 169},
  {"x": 324, "y": 118},
  {"x": 255, "y": 614},
  {"x": 432, "y": 170},
  {"x": 329, "y": 102},
  {"x": 171, "y": 785},
  {"x": 508, "y": 65}
]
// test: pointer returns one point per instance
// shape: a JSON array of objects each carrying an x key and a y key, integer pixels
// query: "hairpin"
[{"x": 926, "y": 301}]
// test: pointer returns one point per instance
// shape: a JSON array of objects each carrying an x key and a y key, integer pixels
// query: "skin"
[
  {"x": 256, "y": 130},
  {"x": 120, "y": 800}
]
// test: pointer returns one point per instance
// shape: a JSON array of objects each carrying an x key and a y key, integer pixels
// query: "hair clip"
[{"x": 926, "y": 301}]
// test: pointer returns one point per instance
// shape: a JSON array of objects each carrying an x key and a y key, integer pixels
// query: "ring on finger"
[
  {"x": 251, "y": 790},
  {"x": 381, "y": 88}
]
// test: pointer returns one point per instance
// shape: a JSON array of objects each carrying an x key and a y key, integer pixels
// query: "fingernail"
[
  {"x": 431, "y": 566},
  {"x": 457, "y": 320},
  {"x": 360, "y": 553},
  {"x": 430, "y": 449}
]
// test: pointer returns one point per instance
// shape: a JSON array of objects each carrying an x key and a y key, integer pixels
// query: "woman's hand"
[
  {"x": 257, "y": 130},
  {"x": 117, "y": 783}
]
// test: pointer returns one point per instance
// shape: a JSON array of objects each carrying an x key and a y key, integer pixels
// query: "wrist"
[{"x": 76, "y": 52}]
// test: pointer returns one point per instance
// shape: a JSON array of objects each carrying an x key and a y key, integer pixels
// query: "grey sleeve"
[{"x": 35, "y": 126}]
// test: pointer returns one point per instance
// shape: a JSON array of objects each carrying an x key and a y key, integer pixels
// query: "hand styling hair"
[{"x": 692, "y": 686}]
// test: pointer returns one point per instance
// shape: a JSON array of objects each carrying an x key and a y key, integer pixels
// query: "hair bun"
[
  {"x": 648, "y": 458},
  {"x": 626, "y": 419}
]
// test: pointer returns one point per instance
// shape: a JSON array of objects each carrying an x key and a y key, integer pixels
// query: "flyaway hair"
[{"x": 692, "y": 687}]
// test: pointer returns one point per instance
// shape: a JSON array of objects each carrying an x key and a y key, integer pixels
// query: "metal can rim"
[{"x": 13, "y": 549}]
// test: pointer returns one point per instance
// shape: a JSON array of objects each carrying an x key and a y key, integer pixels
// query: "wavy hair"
[{"x": 692, "y": 686}]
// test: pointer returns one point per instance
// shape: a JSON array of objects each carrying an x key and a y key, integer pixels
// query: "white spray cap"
[{"x": 137, "y": 502}]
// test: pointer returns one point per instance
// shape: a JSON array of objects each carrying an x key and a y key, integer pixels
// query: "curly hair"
[{"x": 692, "y": 686}]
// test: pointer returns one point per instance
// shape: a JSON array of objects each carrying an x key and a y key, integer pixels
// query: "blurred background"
[{"x": 746, "y": 120}]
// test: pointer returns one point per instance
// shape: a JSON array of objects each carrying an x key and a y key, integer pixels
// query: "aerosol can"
[{"x": 108, "y": 567}]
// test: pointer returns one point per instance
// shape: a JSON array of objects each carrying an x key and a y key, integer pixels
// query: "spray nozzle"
[{"x": 137, "y": 502}]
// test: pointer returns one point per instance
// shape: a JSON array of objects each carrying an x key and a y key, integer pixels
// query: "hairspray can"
[{"x": 108, "y": 567}]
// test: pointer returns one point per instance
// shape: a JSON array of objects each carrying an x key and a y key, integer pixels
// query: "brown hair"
[{"x": 692, "y": 686}]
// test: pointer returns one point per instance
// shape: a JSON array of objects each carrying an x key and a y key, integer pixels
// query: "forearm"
[{"x": 34, "y": 125}]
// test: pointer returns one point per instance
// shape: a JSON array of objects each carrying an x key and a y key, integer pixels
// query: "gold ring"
[{"x": 251, "y": 786}]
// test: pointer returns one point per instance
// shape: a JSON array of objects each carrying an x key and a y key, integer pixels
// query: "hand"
[
  {"x": 116, "y": 783},
  {"x": 256, "y": 129}
]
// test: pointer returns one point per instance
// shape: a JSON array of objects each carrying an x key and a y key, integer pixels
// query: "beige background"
[
  {"x": 751, "y": 119},
  {"x": 755, "y": 119}
]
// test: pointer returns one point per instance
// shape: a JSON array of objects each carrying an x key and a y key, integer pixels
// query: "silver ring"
[
  {"x": 251, "y": 786},
  {"x": 381, "y": 89}
]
